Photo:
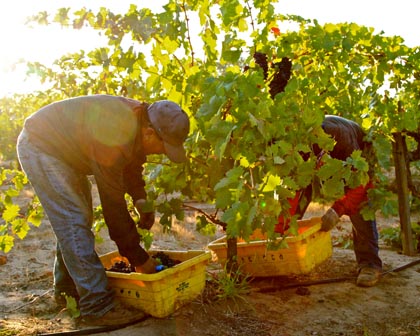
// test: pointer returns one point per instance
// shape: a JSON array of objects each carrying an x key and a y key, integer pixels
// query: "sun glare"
[{"x": 44, "y": 44}]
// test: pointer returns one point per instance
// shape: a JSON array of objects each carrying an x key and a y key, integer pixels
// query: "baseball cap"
[{"x": 172, "y": 125}]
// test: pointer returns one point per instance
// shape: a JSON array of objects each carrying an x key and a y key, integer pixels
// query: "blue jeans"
[
  {"x": 365, "y": 242},
  {"x": 66, "y": 198}
]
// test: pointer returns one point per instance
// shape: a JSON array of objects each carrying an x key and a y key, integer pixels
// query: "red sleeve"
[
  {"x": 283, "y": 223},
  {"x": 352, "y": 201}
]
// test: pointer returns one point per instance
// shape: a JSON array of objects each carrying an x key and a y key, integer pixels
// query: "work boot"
[
  {"x": 368, "y": 276},
  {"x": 119, "y": 315}
]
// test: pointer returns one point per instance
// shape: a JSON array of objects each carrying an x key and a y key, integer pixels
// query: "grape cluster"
[
  {"x": 262, "y": 61},
  {"x": 165, "y": 259},
  {"x": 281, "y": 72},
  {"x": 281, "y": 76},
  {"x": 121, "y": 266}
]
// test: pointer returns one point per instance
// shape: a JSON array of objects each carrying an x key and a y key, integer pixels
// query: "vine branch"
[
  {"x": 212, "y": 218},
  {"x": 188, "y": 32}
]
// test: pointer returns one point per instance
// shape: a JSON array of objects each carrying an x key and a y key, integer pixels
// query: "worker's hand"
[
  {"x": 329, "y": 220},
  {"x": 148, "y": 267},
  {"x": 147, "y": 218}
]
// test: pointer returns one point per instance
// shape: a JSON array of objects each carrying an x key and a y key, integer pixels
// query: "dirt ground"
[{"x": 273, "y": 306}]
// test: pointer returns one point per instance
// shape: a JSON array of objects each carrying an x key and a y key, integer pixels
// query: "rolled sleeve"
[{"x": 121, "y": 226}]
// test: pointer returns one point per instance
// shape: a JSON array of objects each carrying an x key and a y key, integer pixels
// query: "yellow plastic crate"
[
  {"x": 305, "y": 251},
  {"x": 160, "y": 294}
]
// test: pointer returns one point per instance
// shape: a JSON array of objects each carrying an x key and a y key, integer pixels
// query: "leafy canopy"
[{"x": 246, "y": 149}]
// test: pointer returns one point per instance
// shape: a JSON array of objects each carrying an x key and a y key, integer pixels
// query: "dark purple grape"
[
  {"x": 261, "y": 60},
  {"x": 165, "y": 259},
  {"x": 121, "y": 266},
  {"x": 282, "y": 73}
]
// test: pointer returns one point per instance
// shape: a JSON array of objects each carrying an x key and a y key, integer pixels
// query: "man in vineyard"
[
  {"x": 349, "y": 136},
  {"x": 108, "y": 137}
]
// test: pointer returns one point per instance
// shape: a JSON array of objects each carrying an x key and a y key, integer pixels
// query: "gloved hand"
[
  {"x": 147, "y": 219},
  {"x": 148, "y": 267},
  {"x": 329, "y": 220}
]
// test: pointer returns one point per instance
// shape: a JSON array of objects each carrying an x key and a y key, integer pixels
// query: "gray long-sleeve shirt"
[{"x": 99, "y": 135}]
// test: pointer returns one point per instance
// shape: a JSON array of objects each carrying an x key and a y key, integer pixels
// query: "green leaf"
[
  {"x": 12, "y": 192},
  {"x": 232, "y": 177},
  {"x": 204, "y": 226},
  {"x": 330, "y": 28},
  {"x": 270, "y": 182},
  {"x": 222, "y": 143},
  {"x": 146, "y": 238},
  {"x": 20, "y": 227},
  {"x": 358, "y": 161},
  {"x": 278, "y": 160},
  {"x": 224, "y": 199},
  {"x": 72, "y": 306},
  {"x": 6, "y": 243},
  {"x": 11, "y": 212},
  {"x": 333, "y": 189},
  {"x": 35, "y": 218},
  {"x": 236, "y": 218},
  {"x": 251, "y": 215},
  {"x": 170, "y": 45},
  {"x": 330, "y": 168},
  {"x": 231, "y": 56}
]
